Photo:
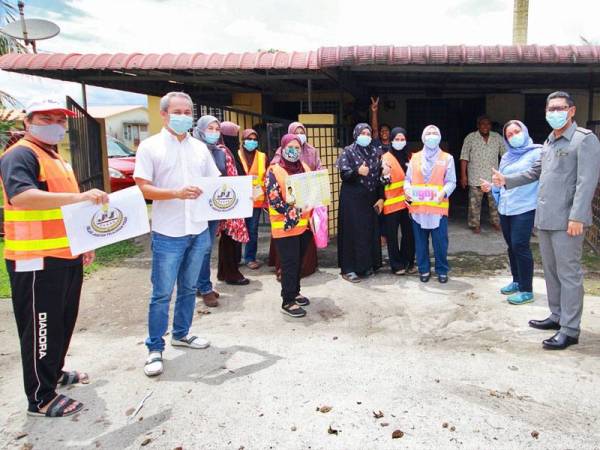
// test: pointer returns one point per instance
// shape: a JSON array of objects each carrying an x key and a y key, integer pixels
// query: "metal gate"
[
  {"x": 270, "y": 129},
  {"x": 328, "y": 139},
  {"x": 85, "y": 142}
]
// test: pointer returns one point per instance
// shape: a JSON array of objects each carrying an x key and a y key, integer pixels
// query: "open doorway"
[{"x": 455, "y": 117}]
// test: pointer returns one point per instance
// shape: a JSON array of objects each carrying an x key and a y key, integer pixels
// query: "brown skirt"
[
  {"x": 230, "y": 253},
  {"x": 309, "y": 262}
]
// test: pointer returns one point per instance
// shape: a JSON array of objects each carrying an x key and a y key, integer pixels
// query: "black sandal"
[
  {"x": 301, "y": 300},
  {"x": 57, "y": 408},
  {"x": 73, "y": 377},
  {"x": 424, "y": 277},
  {"x": 293, "y": 312}
]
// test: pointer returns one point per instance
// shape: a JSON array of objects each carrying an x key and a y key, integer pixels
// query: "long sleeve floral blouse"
[{"x": 289, "y": 211}]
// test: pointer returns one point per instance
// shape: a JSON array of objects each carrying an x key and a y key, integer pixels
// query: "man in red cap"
[{"x": 45, "y": 278}]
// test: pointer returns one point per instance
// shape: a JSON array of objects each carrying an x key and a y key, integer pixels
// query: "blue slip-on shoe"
[
  {"x": 520, "y": 298},
  {"x": 510, "y": 288}
]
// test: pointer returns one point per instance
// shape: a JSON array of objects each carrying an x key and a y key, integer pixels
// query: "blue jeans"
[
  {"x": 517, "y": 233},
  {"x": 252, "y": 244},
  {"x": 204, "y": 285},
  {"x": 174, "y": 259},
  {"x": 439, "y": 238}
]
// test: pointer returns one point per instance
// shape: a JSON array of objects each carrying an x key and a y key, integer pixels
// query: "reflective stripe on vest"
[
  {"x": 394, "y": 192},
  {"x": 278, "y": 220},
  {"x": 38, "y": 233},
  {"x": 258, "y": 173},
  {"x": 424, "y": 202}
]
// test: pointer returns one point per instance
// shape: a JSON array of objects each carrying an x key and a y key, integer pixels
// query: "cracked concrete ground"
[{"x": 451, "y": 366}]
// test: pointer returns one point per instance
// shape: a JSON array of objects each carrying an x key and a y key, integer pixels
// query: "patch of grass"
[
  {"x": 105, "y": 256},
  {"x": 111, "y": 254}
]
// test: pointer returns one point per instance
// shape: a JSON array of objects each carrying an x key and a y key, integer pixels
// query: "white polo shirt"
[{"x": 170, "y": 164}]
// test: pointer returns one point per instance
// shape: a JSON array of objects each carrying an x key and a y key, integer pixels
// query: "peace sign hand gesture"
[{"x": 374, "y": 104}]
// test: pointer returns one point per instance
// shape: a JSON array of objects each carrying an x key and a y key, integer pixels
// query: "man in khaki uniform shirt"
[
  {"x": 480, "y": 154},
  {"x": 568, "y": 174}
]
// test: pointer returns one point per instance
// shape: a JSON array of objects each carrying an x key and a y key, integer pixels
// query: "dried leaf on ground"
[
  {"x": 324, "y": 409},
  {"x": 129, "y": 411},
  {"x": 332, "y": 430},
  {"x": 535, "y": 434},
  {"x": 397, "y": 434},
  {"x": 384, "y": 424},
  {"x": 378, "y": 414},
  {"x": 146, "y": 442}
]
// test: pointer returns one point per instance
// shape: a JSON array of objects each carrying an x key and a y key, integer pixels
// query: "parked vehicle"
[{"x": 121, "y": 162}]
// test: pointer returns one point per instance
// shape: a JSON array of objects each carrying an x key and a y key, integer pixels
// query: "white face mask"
[{"x": 398, "y": 145}]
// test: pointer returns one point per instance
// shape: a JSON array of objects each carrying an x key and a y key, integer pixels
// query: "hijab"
[
  {"x": 217, "y": 153},
  {"x": 400, "y": 155},
  {"x": 292, "y": 168},
  {"x": 308, "y": 154},
  {"x": 514, "y": 153},
  {"x": 430, "y": 155},
  {"x": 354, "y": 155},
  {"x": 248, "y": 155}
]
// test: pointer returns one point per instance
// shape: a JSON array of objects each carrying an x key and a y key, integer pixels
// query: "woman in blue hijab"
[{"x": 517, "y": 210}]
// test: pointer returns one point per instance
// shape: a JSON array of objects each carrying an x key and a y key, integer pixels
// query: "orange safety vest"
[
  {"x": 258, "y": 174},
  {"x": 277, "y": 220},
  {"x": 424, "y": 194},
  {"x": 38, "y": 233},
  {"x": 394, "y": 192}
]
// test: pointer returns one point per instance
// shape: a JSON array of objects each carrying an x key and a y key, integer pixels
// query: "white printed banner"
[
  {"x": 223, "y": 198},
  {"x": 91, "y": 226}
]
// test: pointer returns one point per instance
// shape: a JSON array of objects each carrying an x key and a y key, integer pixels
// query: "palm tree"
[{"x": 8, "y": 45}]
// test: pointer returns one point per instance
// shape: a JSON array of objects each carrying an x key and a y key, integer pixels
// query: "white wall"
[{"x": 114, "y": 124}]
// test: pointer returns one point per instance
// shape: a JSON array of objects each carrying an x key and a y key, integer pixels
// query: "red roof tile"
[{"x": 313, "y": 60}]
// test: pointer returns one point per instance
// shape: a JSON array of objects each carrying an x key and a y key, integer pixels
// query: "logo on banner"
[
  {"x": 106, "y": 221},
  {"x": 223, "y": 199}
]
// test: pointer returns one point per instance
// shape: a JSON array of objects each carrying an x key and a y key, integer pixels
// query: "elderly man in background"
[{"x": 480, "y": 154}]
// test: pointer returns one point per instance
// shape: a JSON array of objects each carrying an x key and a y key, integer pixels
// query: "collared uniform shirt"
[
  {"x": 482, "y": 156},
  {"x": 170, "y": 164},
  {"x": 568, "y": 172}
]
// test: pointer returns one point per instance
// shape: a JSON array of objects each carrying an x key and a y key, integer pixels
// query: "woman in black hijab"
[
  {"x": 361, "y": 201},
  {"x": 395, "y": 208}
]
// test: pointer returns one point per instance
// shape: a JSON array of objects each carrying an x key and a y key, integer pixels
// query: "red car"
[{"x": 121, "y": 162}]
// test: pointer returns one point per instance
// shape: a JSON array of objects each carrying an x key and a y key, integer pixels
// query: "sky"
[{"x": 161, "y": 26}]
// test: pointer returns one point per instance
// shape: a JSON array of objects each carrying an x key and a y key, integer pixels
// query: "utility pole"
[{"x": 520, "y": 21}]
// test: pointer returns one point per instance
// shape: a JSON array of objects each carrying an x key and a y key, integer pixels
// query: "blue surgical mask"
[
  {"x": 432, "y": 141},
  {"x": 557, "y": 119},
  {"x": 180, "y": 123},
  {"x": 48, "y": 134},
  {"x": 212, "y": 137},
  {"x": 517, "y": 140},
  {"x": 398, "y": 145},
  {"x": 302, "y": 138},
  {"x": 363, "y": 140},
  {"x": 250, "y": 145},
  {"x": 291, "y": 154}
]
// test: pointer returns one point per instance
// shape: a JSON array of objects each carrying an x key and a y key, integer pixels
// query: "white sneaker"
[
  {"x": 154, "y": 364},
  {"x": 190, "y": 342}
]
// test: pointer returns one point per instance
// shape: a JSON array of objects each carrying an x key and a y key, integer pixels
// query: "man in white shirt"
[{"x": 167, "y": 166}]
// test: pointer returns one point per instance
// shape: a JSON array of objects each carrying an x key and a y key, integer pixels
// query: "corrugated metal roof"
[{"x": 313, "y": 60}]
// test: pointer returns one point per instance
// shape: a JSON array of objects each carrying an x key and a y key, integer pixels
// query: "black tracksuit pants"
[
  {"x": 291, "y": 252},
  {"x": 45, "y": 304}
]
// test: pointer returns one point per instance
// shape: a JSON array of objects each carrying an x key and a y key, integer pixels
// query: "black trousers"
[
  {"x": 401, "y": 256},
  {"x": 291, "y": 252},
  {"x": 45, "y": 304}
]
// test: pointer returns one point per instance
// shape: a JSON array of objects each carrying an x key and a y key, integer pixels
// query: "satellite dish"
[{"x": 31, "y": 29}]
